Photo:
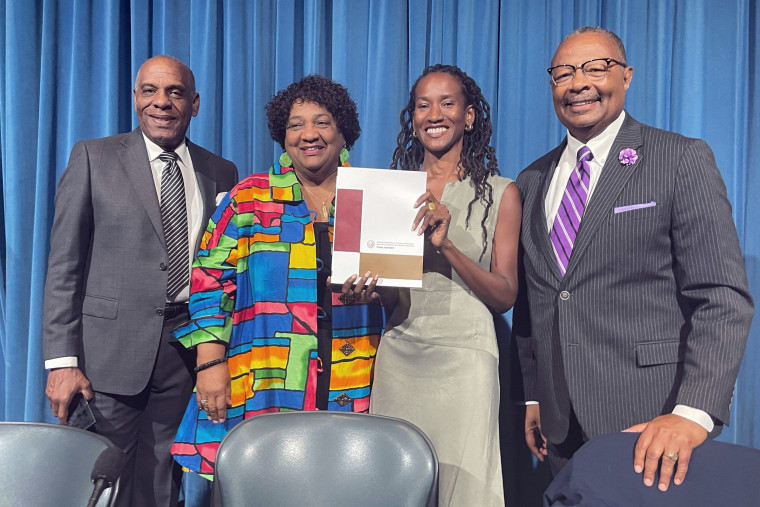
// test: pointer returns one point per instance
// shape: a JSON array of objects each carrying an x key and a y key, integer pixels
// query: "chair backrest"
[
  {"x": 326, "y": 458},
  {"x": 601, "y": 473},
  {"x": 48, "y": 464}
]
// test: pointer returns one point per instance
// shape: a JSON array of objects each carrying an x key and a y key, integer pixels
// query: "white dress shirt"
[{"x": 600, "y": 148}]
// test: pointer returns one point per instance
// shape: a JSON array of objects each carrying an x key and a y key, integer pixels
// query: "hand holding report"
[{"x": 373, "y": 218}]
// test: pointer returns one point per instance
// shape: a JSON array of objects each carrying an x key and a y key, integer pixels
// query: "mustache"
[{"x": 591, "y": 98}]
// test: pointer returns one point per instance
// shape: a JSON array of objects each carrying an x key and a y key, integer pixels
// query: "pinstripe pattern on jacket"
[{"x": 654, "y": 309}]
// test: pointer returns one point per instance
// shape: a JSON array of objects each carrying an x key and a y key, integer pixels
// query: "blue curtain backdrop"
[{"x": 67, "y": 70}]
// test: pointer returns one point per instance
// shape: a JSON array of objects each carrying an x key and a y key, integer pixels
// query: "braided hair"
[{"x": 477, "y": 159}]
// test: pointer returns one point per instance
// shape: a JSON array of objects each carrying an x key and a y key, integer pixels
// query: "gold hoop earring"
[
  {"x": 414, "y": 134},
  {"x": 469, "y": 128}
]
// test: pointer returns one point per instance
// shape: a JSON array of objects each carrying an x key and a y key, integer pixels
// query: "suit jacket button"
[
  {"x": 564, "y": 295},
  {"x": 160, "y": 312},
  {"x": 162, "y": 266}
]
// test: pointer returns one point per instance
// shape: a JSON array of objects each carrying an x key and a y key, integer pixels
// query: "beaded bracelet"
[{"x": 209, "y": 364}]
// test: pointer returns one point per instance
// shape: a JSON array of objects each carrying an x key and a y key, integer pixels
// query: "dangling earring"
[
  {"x": 469, "y": 128},
  {"x": 285, "y": 160},
  {"x": 343, "y": 155}
]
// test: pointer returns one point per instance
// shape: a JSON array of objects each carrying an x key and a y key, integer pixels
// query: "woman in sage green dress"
[{"x": 437, "y": 364}]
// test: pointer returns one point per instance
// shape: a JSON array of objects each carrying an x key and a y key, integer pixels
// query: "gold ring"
[
  {"x": 673, "y": 456},
  {"x": 431, "y": 206}
]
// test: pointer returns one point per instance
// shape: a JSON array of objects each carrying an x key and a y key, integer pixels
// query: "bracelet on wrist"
[{"x": 209, "y": 364}]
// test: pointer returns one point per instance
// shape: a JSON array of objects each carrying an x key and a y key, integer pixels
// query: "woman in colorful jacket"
[{"x": 270, "y": 335}]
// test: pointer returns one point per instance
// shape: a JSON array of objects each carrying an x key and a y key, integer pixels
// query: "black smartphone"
[{"x": 80, "y": 413}]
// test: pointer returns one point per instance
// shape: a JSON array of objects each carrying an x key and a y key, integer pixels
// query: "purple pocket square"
[{"x": 631, "y": 207}]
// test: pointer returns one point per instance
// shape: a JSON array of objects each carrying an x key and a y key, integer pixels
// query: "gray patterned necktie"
[{"x": 174, "y": 218}]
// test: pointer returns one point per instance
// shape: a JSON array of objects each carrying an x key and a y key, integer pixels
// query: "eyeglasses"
[{"x": 594, "y": 70}]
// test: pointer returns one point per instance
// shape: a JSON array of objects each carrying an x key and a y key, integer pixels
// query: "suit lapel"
[
  {"x": 134, "y": 158},
  {"x": 539, "y": 213},
  {"x": 611, "y": 182},
  {"x": 206, "y": 185}
]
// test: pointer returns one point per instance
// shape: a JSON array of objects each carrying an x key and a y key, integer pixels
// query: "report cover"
[{"x": 373, "y": 226}]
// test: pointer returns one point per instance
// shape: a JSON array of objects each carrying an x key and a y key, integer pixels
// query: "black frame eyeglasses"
[{"x": 595, "y": 73}]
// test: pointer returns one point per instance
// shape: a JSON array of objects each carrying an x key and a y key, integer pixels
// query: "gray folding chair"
[
  {"x": 42, "y": 465},
  {"x": 325, "y": 458}
]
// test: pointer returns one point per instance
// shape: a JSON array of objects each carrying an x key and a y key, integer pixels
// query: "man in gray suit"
[
  {"x": 634, "y": 308},
  {"x": 129, "y": 212}
]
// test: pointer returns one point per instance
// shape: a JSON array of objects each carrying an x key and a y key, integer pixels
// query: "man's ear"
[{"x": 627, "y": 76}]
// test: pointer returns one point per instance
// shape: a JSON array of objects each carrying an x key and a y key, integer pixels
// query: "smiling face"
[
  {"x": 586, "y": 107},
  {"x": 165, "y": 101},
  {"x": 313, "y": 141},
  {"x": 441, "y": 114}
]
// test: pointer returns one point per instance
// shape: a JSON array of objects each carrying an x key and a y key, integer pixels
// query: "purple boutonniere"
[{"x": 628, "y": 156}]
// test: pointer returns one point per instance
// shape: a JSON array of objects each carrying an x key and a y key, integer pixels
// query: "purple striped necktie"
[{"x": 568, "y": 219}]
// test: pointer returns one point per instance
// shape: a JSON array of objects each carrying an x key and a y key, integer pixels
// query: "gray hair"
[{"x": 598, "y": 29}]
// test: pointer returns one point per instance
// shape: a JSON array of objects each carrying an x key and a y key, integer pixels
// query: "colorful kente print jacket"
[{"x": 254, "y": 288}]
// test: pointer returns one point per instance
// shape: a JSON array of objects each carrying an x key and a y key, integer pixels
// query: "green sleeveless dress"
[{"x": 437, "y": 365}]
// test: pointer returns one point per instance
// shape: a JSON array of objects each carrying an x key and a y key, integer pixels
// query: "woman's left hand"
[
  {"x": 433, "y": 218},
  {"x": 358, "y": 291}
]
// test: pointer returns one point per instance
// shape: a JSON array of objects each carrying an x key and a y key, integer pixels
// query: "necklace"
[
  {"x": 325, "y": 213},
  {"x": 286, "y": 162}
]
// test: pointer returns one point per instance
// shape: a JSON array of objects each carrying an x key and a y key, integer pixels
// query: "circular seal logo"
[{"x": 370, "y": 244}]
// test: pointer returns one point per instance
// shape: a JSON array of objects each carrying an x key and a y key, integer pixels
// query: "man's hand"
[
  {"x": 62, "y": 385},
  {"x": 533, "y": 436},
  {"x": 664, "y": 438}
]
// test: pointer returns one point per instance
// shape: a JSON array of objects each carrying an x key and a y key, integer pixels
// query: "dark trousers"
[
  {"x": 145, "y": 425},
  {"x": 559, "y": 454}
]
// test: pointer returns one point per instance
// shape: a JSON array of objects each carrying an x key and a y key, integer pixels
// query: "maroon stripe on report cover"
[{"x": 348, "y": 220}]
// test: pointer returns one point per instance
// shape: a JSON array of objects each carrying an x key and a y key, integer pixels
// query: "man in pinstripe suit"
[{"x": 634, "y": 308}]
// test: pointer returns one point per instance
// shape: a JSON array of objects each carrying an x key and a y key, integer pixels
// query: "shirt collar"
[
  {"x": 601, "y": 144},
  {"x": 283, "y": 184},
  {"x": 155, "y": 150}
]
